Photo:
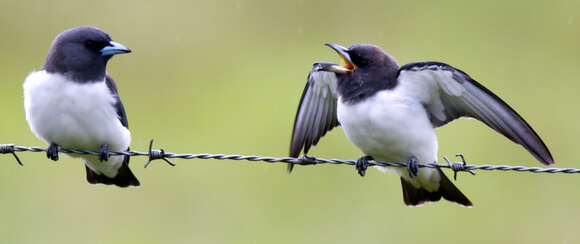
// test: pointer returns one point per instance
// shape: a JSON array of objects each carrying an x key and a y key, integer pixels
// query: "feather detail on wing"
[
  {"x": 316, "y": 113},
  {"x": 448, "y": 93}
]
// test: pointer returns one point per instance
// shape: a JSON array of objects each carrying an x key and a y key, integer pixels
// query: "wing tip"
[
  {"x": 295, "y": 149},
  {"x": 290, "y": 168},
  {"x": 547, "y": 161},
  {"x": 539, "y": 150}
]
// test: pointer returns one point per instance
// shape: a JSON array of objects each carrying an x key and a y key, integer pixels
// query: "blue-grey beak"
[
  {"x": 343, "y": 53},
  {"x": 114, "y": 48}
]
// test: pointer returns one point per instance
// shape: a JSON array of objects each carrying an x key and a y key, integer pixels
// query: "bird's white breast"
[
  {"x": 391, "y": 126},
  {"x": 73, "y": 115}
]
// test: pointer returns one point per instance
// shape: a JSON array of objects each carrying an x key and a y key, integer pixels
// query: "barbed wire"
[{"x": 160, "y": 154}]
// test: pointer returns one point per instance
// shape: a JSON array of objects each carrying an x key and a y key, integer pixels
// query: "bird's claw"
[
  {"x": 104, "y": 153},
  {"x": 307, "y": 160},
  {"x": 52, "y": 152},
  {"x": 413, "y": 167},
  {"x": 361, "y": 164}
]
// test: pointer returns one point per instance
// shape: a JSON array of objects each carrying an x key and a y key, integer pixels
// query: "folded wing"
[
  {"x": 448, "y": 93},
  {"x": 118, "y": 103}
]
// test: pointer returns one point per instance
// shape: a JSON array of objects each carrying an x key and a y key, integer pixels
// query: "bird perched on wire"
[
  {"x": 72, "y": 102},
  {"x": 390, "y": 113}
]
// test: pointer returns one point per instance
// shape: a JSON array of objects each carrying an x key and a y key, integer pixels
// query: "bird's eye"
[
  {"x": 90, "y": 44},
  {"x": 361, "y": 62},
  {"x": 358, "y": 60}
]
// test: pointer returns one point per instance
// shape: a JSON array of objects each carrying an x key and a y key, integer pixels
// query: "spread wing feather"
[
  {"x": 316, "y": 113},
  {"x": 448, "y": 93}
]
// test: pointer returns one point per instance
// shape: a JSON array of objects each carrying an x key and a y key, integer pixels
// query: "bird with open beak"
[{"x": 390, "y": 113}]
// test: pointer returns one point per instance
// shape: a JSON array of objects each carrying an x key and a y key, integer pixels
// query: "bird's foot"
[
  {"x": 361, "y": 164},
  {"x": 52, "y": 152},
  {"x": 413, "y": 167},
  {"x": 104, "y": 153}
]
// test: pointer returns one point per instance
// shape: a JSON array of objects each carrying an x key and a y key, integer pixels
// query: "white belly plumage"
[
  {"x": 392, "y": 128},
  {"x": 76, "y": 116}
]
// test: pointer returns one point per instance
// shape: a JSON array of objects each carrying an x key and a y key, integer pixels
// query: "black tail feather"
[
  {"x": 124, "y": 178},
  {"x": 417, "y": 196}
]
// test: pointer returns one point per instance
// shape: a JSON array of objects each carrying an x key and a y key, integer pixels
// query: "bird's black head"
[
  {"x": 368, "y": 56},
  {"x": 363, "y": 56},
  {"x": 367, "y": 69},
  {"x": 81, "y": 54}
]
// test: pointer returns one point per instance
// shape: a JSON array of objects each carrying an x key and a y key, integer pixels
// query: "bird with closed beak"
[
  {"x": 72, "y": 102},
  {"x": 390, "y": 113}
]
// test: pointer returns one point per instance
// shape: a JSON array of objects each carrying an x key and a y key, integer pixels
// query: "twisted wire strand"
[{"x": 154, "y": 154}]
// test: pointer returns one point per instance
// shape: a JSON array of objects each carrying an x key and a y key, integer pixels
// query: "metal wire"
[{"x": 154, "y": 154}]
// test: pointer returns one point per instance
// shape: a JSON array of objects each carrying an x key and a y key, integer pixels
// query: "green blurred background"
[{"x": 226, "y": 77}]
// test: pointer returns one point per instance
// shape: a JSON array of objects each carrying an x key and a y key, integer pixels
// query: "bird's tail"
[
  {"x": 124, "y": 177},
  {"x": 417, "y": 196}
]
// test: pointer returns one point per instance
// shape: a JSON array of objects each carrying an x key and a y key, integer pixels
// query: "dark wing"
[
  {"x": 448, "y": 93},
  {"x": 317, "y": 110},
  {"x": 125, "y": 177},
  {"x": 118, "y": 103}
]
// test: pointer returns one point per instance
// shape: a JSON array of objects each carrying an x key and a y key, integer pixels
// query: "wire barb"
[
  {"x": 9, "y": 148},
  {"x": 456, "y": 166},
  {"x": 157, "y": 154}
]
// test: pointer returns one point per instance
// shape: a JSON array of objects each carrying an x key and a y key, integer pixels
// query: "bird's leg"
[
  {"x": 413, "y": 167},
  {"x": 52, "y": 151},
  {"x": 104, "y": 152},
  {"x": 361, "y": 164}
]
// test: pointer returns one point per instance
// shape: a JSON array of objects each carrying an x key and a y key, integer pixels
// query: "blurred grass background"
[{"x": 226, "y": 76}]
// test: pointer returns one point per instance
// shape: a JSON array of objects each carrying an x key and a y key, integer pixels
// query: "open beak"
[
  {"x": 114, "y": 48},
  {"x": 343, "y": 53}
]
